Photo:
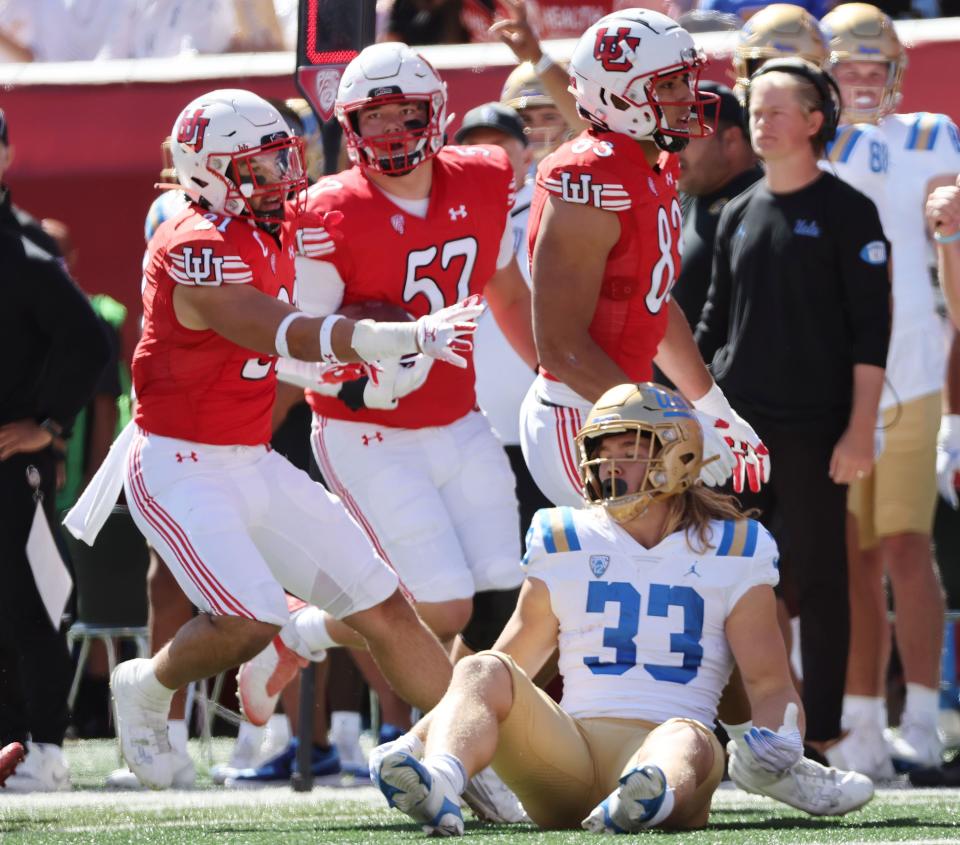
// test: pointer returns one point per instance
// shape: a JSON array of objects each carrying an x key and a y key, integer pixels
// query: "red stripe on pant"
[
  {"x": 331, "y": 477},
  {"x": 175, "y": 537}
]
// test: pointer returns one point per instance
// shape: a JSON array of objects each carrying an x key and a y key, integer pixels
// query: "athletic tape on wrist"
[
  {"x": 280, "y": 341},
  {"x": 326, "y": 336}
]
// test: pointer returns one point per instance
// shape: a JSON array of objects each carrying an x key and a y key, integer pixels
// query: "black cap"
[
  {"x": 730, "y": 109},
  {"x": 493, "y": 116},
  {"x": 3, "y": 128}
]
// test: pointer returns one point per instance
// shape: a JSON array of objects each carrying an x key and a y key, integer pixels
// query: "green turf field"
[{"x": 330, "y": 814}]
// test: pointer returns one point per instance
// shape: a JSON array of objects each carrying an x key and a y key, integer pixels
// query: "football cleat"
[
  {"x": 916, "y": 745},
  {"x": 184, "y": 775},
  {"x": 410, "y": 787},
  {"x": 635, "y": 801},
  {"x": 261, "y": 680},
  {"x": 10, "y": 757},
  {"x": 43, "y": 769},
  {"x": 806, "y": 785},
  {"x": 142, "y": 730},
  {"x": 492, "y": 800},
  {"x": 323, "y": 762},
  {"x": 863, "y": 750}
]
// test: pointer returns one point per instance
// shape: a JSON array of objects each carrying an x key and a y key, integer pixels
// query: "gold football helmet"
[
  {"x": 778, "y": 31},
  {"x": 545, "y": 129},
  {"x": 658, "y": 417},
  {"x": 859, "y": 32}
]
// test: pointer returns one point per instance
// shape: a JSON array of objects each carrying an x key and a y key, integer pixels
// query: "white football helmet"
[
  {"x": 231, "y": 147},
  {"x": 618, "y": 63},
  {"x": 385, "y": 73}
]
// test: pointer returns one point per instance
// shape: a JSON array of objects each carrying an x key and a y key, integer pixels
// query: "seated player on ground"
[{"x": 650, "y": 594}]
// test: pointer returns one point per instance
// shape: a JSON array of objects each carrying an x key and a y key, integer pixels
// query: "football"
[{"x": 380, "y": 312}]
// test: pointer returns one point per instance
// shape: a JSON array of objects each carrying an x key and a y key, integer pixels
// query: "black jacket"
[{"x": 52, "y": 345}]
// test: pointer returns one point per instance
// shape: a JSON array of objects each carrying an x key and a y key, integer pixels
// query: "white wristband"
[
  {"x": 280, "y": 341},
  {"x": 714, "y": 403},
  {"x": 384, "y": 340},
  {"x": 327, "y": 355},
  {"x": 543, "y": 63}
]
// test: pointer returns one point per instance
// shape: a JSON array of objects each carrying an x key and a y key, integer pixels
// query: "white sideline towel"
[
  {"x": 49, "y": 573},
  {"x": 85, "y": 519}
]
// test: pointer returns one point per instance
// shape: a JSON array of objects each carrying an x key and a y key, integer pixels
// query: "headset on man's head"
[{"x": 825, "y": 84}]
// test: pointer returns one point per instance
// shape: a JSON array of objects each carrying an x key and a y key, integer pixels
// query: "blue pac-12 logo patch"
[
  {"x": 874, "y": 252},
  {"x": 599, "y": 564}
]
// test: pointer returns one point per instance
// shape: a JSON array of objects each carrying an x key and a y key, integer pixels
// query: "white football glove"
[
  {"x": 752, "y": 458},
  {"x": 441, "y": 335},
  {"x": 776, "y": 751},
  {"x": 391, "y": 379},
  {"x": 715, "y": 473},
  {"x": 948, "y": 458},
  {"x": 450, "y": 331}
]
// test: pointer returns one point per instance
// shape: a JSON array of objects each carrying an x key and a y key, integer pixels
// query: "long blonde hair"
[{"x": 694, "y": 509}]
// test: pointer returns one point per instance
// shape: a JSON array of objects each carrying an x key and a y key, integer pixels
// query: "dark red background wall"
[{"x": 89, "y": 154}]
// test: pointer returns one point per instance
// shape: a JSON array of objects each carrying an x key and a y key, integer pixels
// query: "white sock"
[
  {"x": 151, "y": 690},
  {"x": 736, "y": 732},
  {"x": 410, "y": 743},
  {"x": 306, "y": 633},
  {"x": 177, "y": 729},
  {"x": 864, "y": 710},
  {"x": 345, "y": 726},
  {"x": 249, "y": 734},
  {"x": 923, "y": 704},
  {"x": 278, "y": 730},
  {"x": 666, "y": 808},
  {"x": 450, "y": 769}
]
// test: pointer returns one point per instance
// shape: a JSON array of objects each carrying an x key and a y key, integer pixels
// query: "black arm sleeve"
[
  {"x": 79, "y": 347},
  {"x": 865, "y": 273},
  {"x": 714, "y": 325}
]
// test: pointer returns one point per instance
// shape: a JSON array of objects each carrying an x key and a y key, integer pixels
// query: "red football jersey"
[
  {"x": 385, "y": 254},
  {"x": 610, "y": 171},
  {"x": 197, "y": 385}
]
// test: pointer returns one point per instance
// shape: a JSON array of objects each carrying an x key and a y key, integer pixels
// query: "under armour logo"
[
  {"x": 669, "y": 179},
  {"x": 692, "y": 570},
  {"x": 375, "y": 437},
  {"x": 192, "y": 456},
  {"x": 457, "y": 212},
  {"x": 398, "y": 224}
]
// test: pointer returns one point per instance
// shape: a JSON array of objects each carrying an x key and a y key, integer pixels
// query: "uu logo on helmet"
[
  {"x": 191, "y": 129},
  {"x": 608, "y": 48}
]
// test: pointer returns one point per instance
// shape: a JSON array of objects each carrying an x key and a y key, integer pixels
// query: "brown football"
[{"x": 380, "y": 312}]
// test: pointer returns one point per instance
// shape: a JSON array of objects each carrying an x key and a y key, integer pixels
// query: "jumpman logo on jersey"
[
  {"x": 692, "y": 571},
  {"x": 192, "y": 456},
  {"x": 457, "y": 212},
  {"x": 368, "y": 439}
]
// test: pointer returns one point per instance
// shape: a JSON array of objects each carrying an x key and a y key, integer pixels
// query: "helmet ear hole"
[{"x": 619, "y": 103}]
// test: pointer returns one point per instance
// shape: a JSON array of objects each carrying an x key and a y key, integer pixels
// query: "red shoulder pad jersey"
[
  {"x": 384, "y": 254},
  {"x": 197, "y": 385},
  {"x": 609, "y": 171}
]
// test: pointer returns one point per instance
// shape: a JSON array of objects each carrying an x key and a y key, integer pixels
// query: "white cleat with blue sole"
[
  {"x": 635, "y": 801},
  {"x": 410, "y": 787}
]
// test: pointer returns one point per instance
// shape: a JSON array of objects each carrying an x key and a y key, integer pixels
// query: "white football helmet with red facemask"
[
  {"x": 235, "y": 155},
  {"x": 616, "y": 67},
  {"x": 392, "y": 73}
]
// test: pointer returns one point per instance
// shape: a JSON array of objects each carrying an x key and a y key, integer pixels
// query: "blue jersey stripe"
[
  {"x": 932, "y": 139},
  {"x": 914, "y": 131},
  {"x": 751, "y": 545},
  {"x": 546, "y": 530},
  {"x": 573, "y": 542},
  {"x": 851, "y": 142},
  {"x": 727, "y": 539}
]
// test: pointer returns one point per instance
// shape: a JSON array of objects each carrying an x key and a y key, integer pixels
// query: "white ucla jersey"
[
  {"x": 919, "y": 147},
  {"x": 642, "y": 630}
]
